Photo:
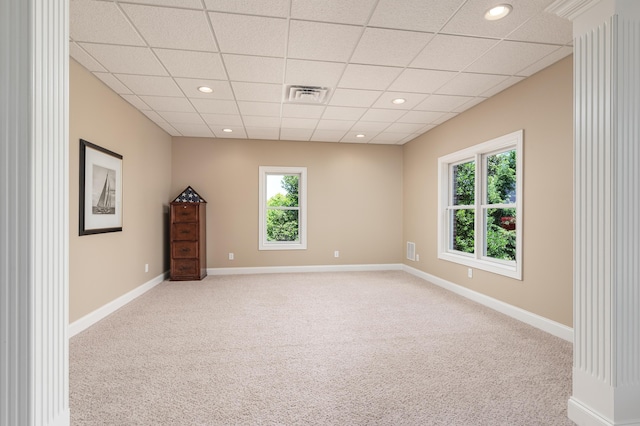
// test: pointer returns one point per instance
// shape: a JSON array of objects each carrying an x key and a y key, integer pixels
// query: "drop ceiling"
[{"x": 441, "y": 56}]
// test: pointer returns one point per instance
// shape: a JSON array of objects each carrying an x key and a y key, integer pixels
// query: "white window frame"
[
  {"x": 263, "y": 244},
  {"x": 479, "y": 153}
]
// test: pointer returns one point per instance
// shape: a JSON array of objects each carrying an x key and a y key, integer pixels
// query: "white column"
[
  {"x": 34, "y": 212},
  {"x": 606, "y": 372}
]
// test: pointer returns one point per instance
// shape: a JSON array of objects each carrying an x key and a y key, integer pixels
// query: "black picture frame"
[{"x": 100, "y": 204}]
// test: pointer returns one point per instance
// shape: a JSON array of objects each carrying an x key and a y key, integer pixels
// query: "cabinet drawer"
[
  {"x": 185, "y": 267},
  {"x": 185, "y": 213},
  {"x": 184, "y": 250},
  {"x": 184, "y": 232}
]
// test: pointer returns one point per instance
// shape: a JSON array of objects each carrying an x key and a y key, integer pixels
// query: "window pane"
[
  {"x": 464, "y": 181},
  {"x": 501, "y": 233},
  {"x": 462, "y": 222},
  {"x": 501, "y": 178},
  {"x": 282, "y": 190},
  {"x": 282, "y": 225}
]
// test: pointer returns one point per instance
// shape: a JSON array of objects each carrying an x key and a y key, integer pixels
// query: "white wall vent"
[
  {"x": 411, "y": 251},
  {"x": 306, "y": 94}
]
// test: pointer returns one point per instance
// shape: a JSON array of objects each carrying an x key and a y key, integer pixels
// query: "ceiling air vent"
[{"x": 306, "y": 94}]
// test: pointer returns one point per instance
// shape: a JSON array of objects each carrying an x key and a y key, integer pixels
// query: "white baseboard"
[
  {"x": 542, "y": 323},
  {"x": 102, "y": 312},
  {"x": 311, "y": 268}
]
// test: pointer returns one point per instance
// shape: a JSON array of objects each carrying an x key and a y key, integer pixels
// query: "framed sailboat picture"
[{"x": 100, "y": 189}]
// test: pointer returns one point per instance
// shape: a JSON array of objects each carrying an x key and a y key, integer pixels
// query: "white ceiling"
[{"x": 442, "y": 56}]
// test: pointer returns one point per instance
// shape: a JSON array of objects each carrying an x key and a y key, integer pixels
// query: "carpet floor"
[{"x": 352, "y": 348}]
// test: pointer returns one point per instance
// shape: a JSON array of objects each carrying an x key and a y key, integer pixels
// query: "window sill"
[
  {"x": 283, "y": 246},
  {"x": 511, "y": 271}
]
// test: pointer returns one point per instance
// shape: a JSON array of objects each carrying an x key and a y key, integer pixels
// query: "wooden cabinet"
[{"x": 188, "y": 241}]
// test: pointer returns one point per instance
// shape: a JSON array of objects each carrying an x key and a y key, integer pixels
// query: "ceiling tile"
[
  {"x": 125, "y": 59},
  {"x": 351, "y": 137},
  {"x": 84, "y": 59},
  {"x": 166, "y": 103},
  {"x": 221, "y": 89},
  {"x": 136, "y": 102},
  {"x": 154, "y": 116},
  {"x": 259, "y": 108},
  {"x": 328, "y": 135},
  {"x": 383, "y": 115},
  {"x": 470, "y": 104},
  {"x": 215, "y": 106},
  {"x": 404, "y": 127},
  {"x": 262, "y": 133},
  {"x": 501, "y": 86},
  {"x": 544, "y": 28},
  {"x": 257, "y": 69},
  {"x": 420, "y": 117},
  {"x": 175, "y": 118},
  {"x": 389, "y": 137},
  {"x": 343, "y": 113},
  {"x": 182, "y": 63},
  {"x": 469, "y": 20},
  {"x": 443, "y": 103},
  {"x": 341, "y": 11},
  {"x": 261, "y": 92},
  {"x": 193, "y": 130},
  {"x": 466, "y": 84},
  {"x": 418, "y": 15},
  {"x": 411, "y": 100},
  {"x": 302, "y": 111},
  {"x": 368, "y": 77},
  {"x": 100, "y": 22},
  {"x": 111, "y": 81},
  {"x": 313, "y": 73},
  {"x": 185, "y": 4},
  {"x": 369, "y": 126},
  {"x": 169, "y": 129},
  {"x": 422, "y": 81},
  {"x": 150, "y": 85},
  {"x": 335, "y": 124},
  {"x": 299, "y": 123},
  {"x": 446, "y": 52},
  {"x": 389, "y": 47},
  {"x": 354, "y": 98},
  {"x": 165, "y": 27},
  {"x": 259, "y": 121},
  {"x": 322, "y": 41},
  {"x": 509, "y": 57},
  {"x": 278, "y": 8},
  {"x": 249, "y": 35},
  {"x": 446, "y": 116},
  {"x": 295, "y": 134},
  {"x": 236, "y": 132},
  {"x": 546, "y": 61},
  {"x": 222, "y": 120}
]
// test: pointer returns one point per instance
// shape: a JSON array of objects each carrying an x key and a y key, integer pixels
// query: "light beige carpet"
[{"x": 359, "y": 348}]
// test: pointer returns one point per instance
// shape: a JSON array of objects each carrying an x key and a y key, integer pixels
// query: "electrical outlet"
[
  {"x": 230, "y": 256},
  {"x": 470, "y": 273},
  {"x": 417, "y": 258},
  {"x": 336, "y": 253},
  {"x": 146, "y": 267}
]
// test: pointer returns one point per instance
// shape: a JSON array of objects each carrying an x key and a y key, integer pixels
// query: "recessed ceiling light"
[
  {"x": 360, "y": 135},
  {"x": 399, "y": 101},
  {"x": 205, "y": 89},
  {"x": 227, "y": 130},
  {"x": 498, "y": 12}
]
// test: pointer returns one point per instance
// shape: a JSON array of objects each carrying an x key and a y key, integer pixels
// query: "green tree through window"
[{"x": 283, "y": 210}]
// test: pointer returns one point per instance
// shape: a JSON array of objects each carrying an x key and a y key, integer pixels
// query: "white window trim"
[
  {"x": 511, "y": 269},
  {"x": 263, "y": 244}
]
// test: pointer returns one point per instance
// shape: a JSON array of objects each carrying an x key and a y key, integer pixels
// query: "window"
[
  {"x": 283, "y": 208},
  {"x": 480, "y": 215}
]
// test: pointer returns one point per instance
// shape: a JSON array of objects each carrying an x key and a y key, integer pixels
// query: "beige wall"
[
  {"x": 542, "y": 106},
  {"x": 354, "y": 199},
  {"x": 106, "y": 266}
]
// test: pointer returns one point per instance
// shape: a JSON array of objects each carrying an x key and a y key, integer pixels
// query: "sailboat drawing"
[{"x": 106, "y": 202}]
